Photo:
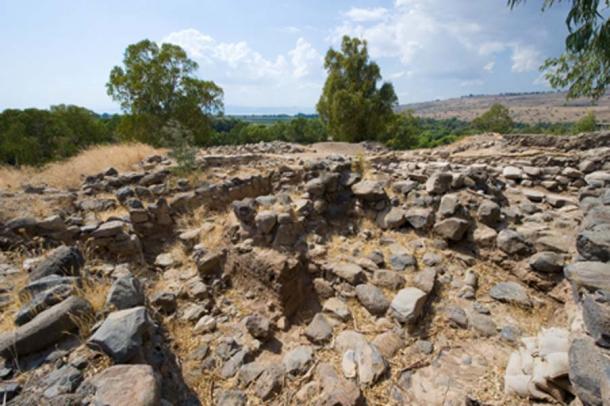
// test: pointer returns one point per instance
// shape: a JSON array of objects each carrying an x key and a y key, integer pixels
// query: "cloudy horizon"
[{"x": 268, "y": 57}]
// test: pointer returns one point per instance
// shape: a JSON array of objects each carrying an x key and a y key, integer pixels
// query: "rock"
[
  {"x": 401, "y": 260},
  {"x": 270, "y": 382},
  {"x": 63, "y": 261},
  {"x": 245, "y": 210},
  {"x": 438, "y": 183},
  {"x": 369, "y": 190},
  {"x": 123, "y": 333},
  {"x": 258, "y": 326},
  {"x": 297, "y": 361},
  {"x": 408, "y": 304},
  {"x": 534, "y": 195},
  {"x": 231, "y": 367},
  {"x": 510, "y": 292},
  {"x": 546, "y": 262},
  {"x": 457, "y": 316},
  {"x": 351, "y": 273},
  {"x": 210, "y": 262},
  {"x": 108, "y": 229},
  {"x": 596, "y": 315},
  {"x": 372, "y": 298},
  {"x": 388, "y": 343},
  {"x": 586, "y": 366},
  {"x": 394, "y": 218},
  {"x": 419, "y": 218},
  {"x": 43, "y": 301},
  {"x": 61, "y": 381},
  {"x": 165, "y": 260},
  {"x": 593, "y": 243},
  {"x": 452, "y": 229},
  {"x": 512, "y": 172},
  {"x": 371, "y": 364},
  {"x": 489, "y": 213},
  {"x": 232, "y": 397},
  {"x": 206, "y": 324},
  {"x": 388, "y": 279},
  {"x": 484, "y": 236},
  {"x": 319, "y": 330},
  {"x": 425, "y": 280},
  {"x": 449, "y": 205},
  {"x": 125, "y": 385},
  {"x": 335, "y": 390},
  {"x": 337, "y": 308},
  {"x": 125, "y": 292},
  {"x": 589, "y": 275},
  {"x": 48, "y": 327},
  {"x": 482, "y": 323},
  {"x": 512, "y": 242},
  {"x": 265, "y": 221},
  {"x": 166, "y": 302}
]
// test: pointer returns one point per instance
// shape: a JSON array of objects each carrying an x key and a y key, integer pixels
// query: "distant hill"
[{"x": 530, "y": 108}]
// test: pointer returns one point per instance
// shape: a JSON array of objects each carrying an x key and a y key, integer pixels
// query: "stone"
[
  {"x": 371, "y": 364},
  {"x": 62, "y": 261},
  {"x": 337, "y": 308},
  {"x": 596, "y": 315},
  {"x": 534, "y": 195},
  {"x": 123, "y": 333},
  {"x": 452, "y": 229},
  {"x": 586, "y": 367},
  {"x": 419, "y": 218},
  {"x": 372, "y": 298},
  {"x": 165, "y": 260},
  {"x": 510, "y": 292},
  {"x": 593, "y": 243},
  {"x": 425, "y": 280},
  {"x": 546, "y": 262},
  {"x": 369, "y": 190},
  {"x": 166, "y": 302},
  {"x": 38, "y": 286},
  {"x": 270, "y": 382},
  {"x": 512, "y": 172},
  {"x": 245, "y": 210},
  {"x": 439, "y": 183},
  {"x": 457, "y": 316},
  {"x": 108, "y": 229},
  {"x": 484, "y": 236},
  {"x": 319, "y": 330},
  {"x": 126, "y": 292},
  {"x": 388, "y": 279},
  {"x": 336, "y": 390},
  {"x": 265, "y": 221},
  {"x": 351, "y": 273},
  {"x": 232, "y": 397},
  {"x": 408, "y": 304},
  {"x": 388, "y": 343},
  {"x": 512, "y": 242},
  {"x": 126, "y": 385},
  {"x": 249, "y": 372},
  {"x": 482, "y": 323},
  {"x": 589, "y": 275},
  {"x": 258, "y": 326},
  {"x": 43, "y": 301},
  {"x": 393, "y": 219},
  {"x": 448, "y": 206},
  {"x": 233, "y": 364},
  {"x": 206, "y": 324},
  {"x": 210, "y": 262},
  {"x": 402, "y": 260},
  {"x": 48, "y": 327},
  {"x": 61, "y": 381},
  {"x": 297, "y": 361},
  {"x": 489, "y": 213}
]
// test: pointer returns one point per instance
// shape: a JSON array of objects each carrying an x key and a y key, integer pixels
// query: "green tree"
[
  {"x": 403, "y": 131},
  {"x": 351, "y": 106},
  {"x": 584, "y": 67},
  {"x": 156, "y": 85},
  {"x": 497, "y": 119},
  {"x": 587, "y": 123}
]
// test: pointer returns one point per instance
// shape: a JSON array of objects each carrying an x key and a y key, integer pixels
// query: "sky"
[{"x": 268, "y": 55}]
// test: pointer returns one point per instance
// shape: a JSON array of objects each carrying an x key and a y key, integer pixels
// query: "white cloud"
[
  {"x": 525, "y": 58},
  {"x": 304, "y": 58},
  {"x": 489, "y": 67},
  {"x": 192, "y": 41},
  {"x": 366, "y": 14}
]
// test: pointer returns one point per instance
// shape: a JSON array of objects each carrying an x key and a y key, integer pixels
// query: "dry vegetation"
[
  {"x": 70, "y": 173},
  {"x": 527, "y": 108}
]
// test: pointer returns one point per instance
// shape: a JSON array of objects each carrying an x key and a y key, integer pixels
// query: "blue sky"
[{"x": 267, "y": 55}]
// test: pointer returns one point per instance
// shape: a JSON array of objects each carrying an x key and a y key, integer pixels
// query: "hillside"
[{"x": 525, "y": 107}]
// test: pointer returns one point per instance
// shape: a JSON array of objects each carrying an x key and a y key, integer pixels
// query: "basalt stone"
[
  {"x": 510, "y": 292},
  {"x": 489, "y": 213},
  {"x": 546, "y": 262},
  {"x": 452, "y": 229},
  {"x": 126, "y": 292},
  {"x": 63, "y": 261},
  {"x": 372, "y": 298},
  {"x": 512, "y": 242}
]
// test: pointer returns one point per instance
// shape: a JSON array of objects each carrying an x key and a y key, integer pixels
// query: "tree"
[
  {"x": 497, "y": 119},
  {"x": 584, "y": 67},
  {"x": 156, "y": 85},
  {"x": 351, "y": 106},
  {"x": 587, "y": 123},
  {"x": 403, "y": 131}
]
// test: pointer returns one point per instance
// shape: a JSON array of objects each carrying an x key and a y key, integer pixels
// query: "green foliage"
[
  {"x": 587, "y": 123},
  {"x": 156, "y": 85},
  {"x": 351, "y": 106},
  {"x": 584, "y": 67},
  {"x": 402, "y": 131},
  {"x": 497, "y": 119},
  {"x": 180, "y": 141},
  {"x": 34, "y": 136}
]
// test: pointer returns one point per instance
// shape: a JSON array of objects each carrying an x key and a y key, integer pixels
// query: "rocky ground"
[{"x": 332, "y": 274}]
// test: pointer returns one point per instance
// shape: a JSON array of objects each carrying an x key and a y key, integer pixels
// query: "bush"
[
  {"x": 586, "y": 124},
  {"x": 497, "y": 119}
]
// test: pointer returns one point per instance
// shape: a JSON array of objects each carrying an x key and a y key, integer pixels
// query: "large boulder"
[
  {"x": 48, "y": 327},
  {"x": 125, "y": 385},
  {"x": 439, "y": 183},
  {"x": 63, "y": 261},
  {"x": 123, "y": 333}
]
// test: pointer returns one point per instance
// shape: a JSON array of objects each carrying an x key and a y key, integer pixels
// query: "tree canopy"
[
  {"x": 351, "y": 106},
  {"x": 497, "y": 119},
  {"x": 158, "y": 84},
  {"x": 584, "y": 67}
]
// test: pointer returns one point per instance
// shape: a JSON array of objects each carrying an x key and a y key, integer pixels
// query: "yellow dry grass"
[
  {"x": 69, "y": 173},
  {"x": 7, "y": 315}
]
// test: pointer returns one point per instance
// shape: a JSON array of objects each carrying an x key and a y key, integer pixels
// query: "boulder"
[
  {"x": 319, "y": 329},
  {"x": 125, "y": 385},
  {"x": 593, "y": 243},
  {"x": 546, "y": 262},
  {"x": 265, "y": 221},
  {"x": 439, "y": 183},
  {"x": 258, "y": 326},
  {"x": 297, "y": 361},
  {"x": 372, "y": 298},
  {"x": 369, "y": 190},
  {"x": 510, "y": 292},
  {"x": 589, "y": 275},
  {"x": 489, "y": 213},
  {"x": 392, "y": 219},
  {"x": 408, "y": 305},
  {"x": 123, "y": 333},
  {"x": 586, "y": 368},
  {"x": 48, "y": 327},
  {"x": 512, "y": 242},
  {"x": 351, "y": 273},
  {"x": 512, "y": 172},
  {"x": 337, "y": 308},
  {"x": 452, "y": 229},
  {"x": 596, "y": 315},
  {"x": 419, "y": 218},
  {"x": 126, "y": 292},
  {"x": 63, "y": 261},
  {"x": 43, "y": 301}
]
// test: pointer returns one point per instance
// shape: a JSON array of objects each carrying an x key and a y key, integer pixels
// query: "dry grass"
[
  {"x": 7, "y": 315},
  {"x": 119, "y": 211},
  {"x": 70, "y": 173}
]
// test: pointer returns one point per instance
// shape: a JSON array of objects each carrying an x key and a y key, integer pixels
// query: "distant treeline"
[{"x": 36, "y": 136}]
